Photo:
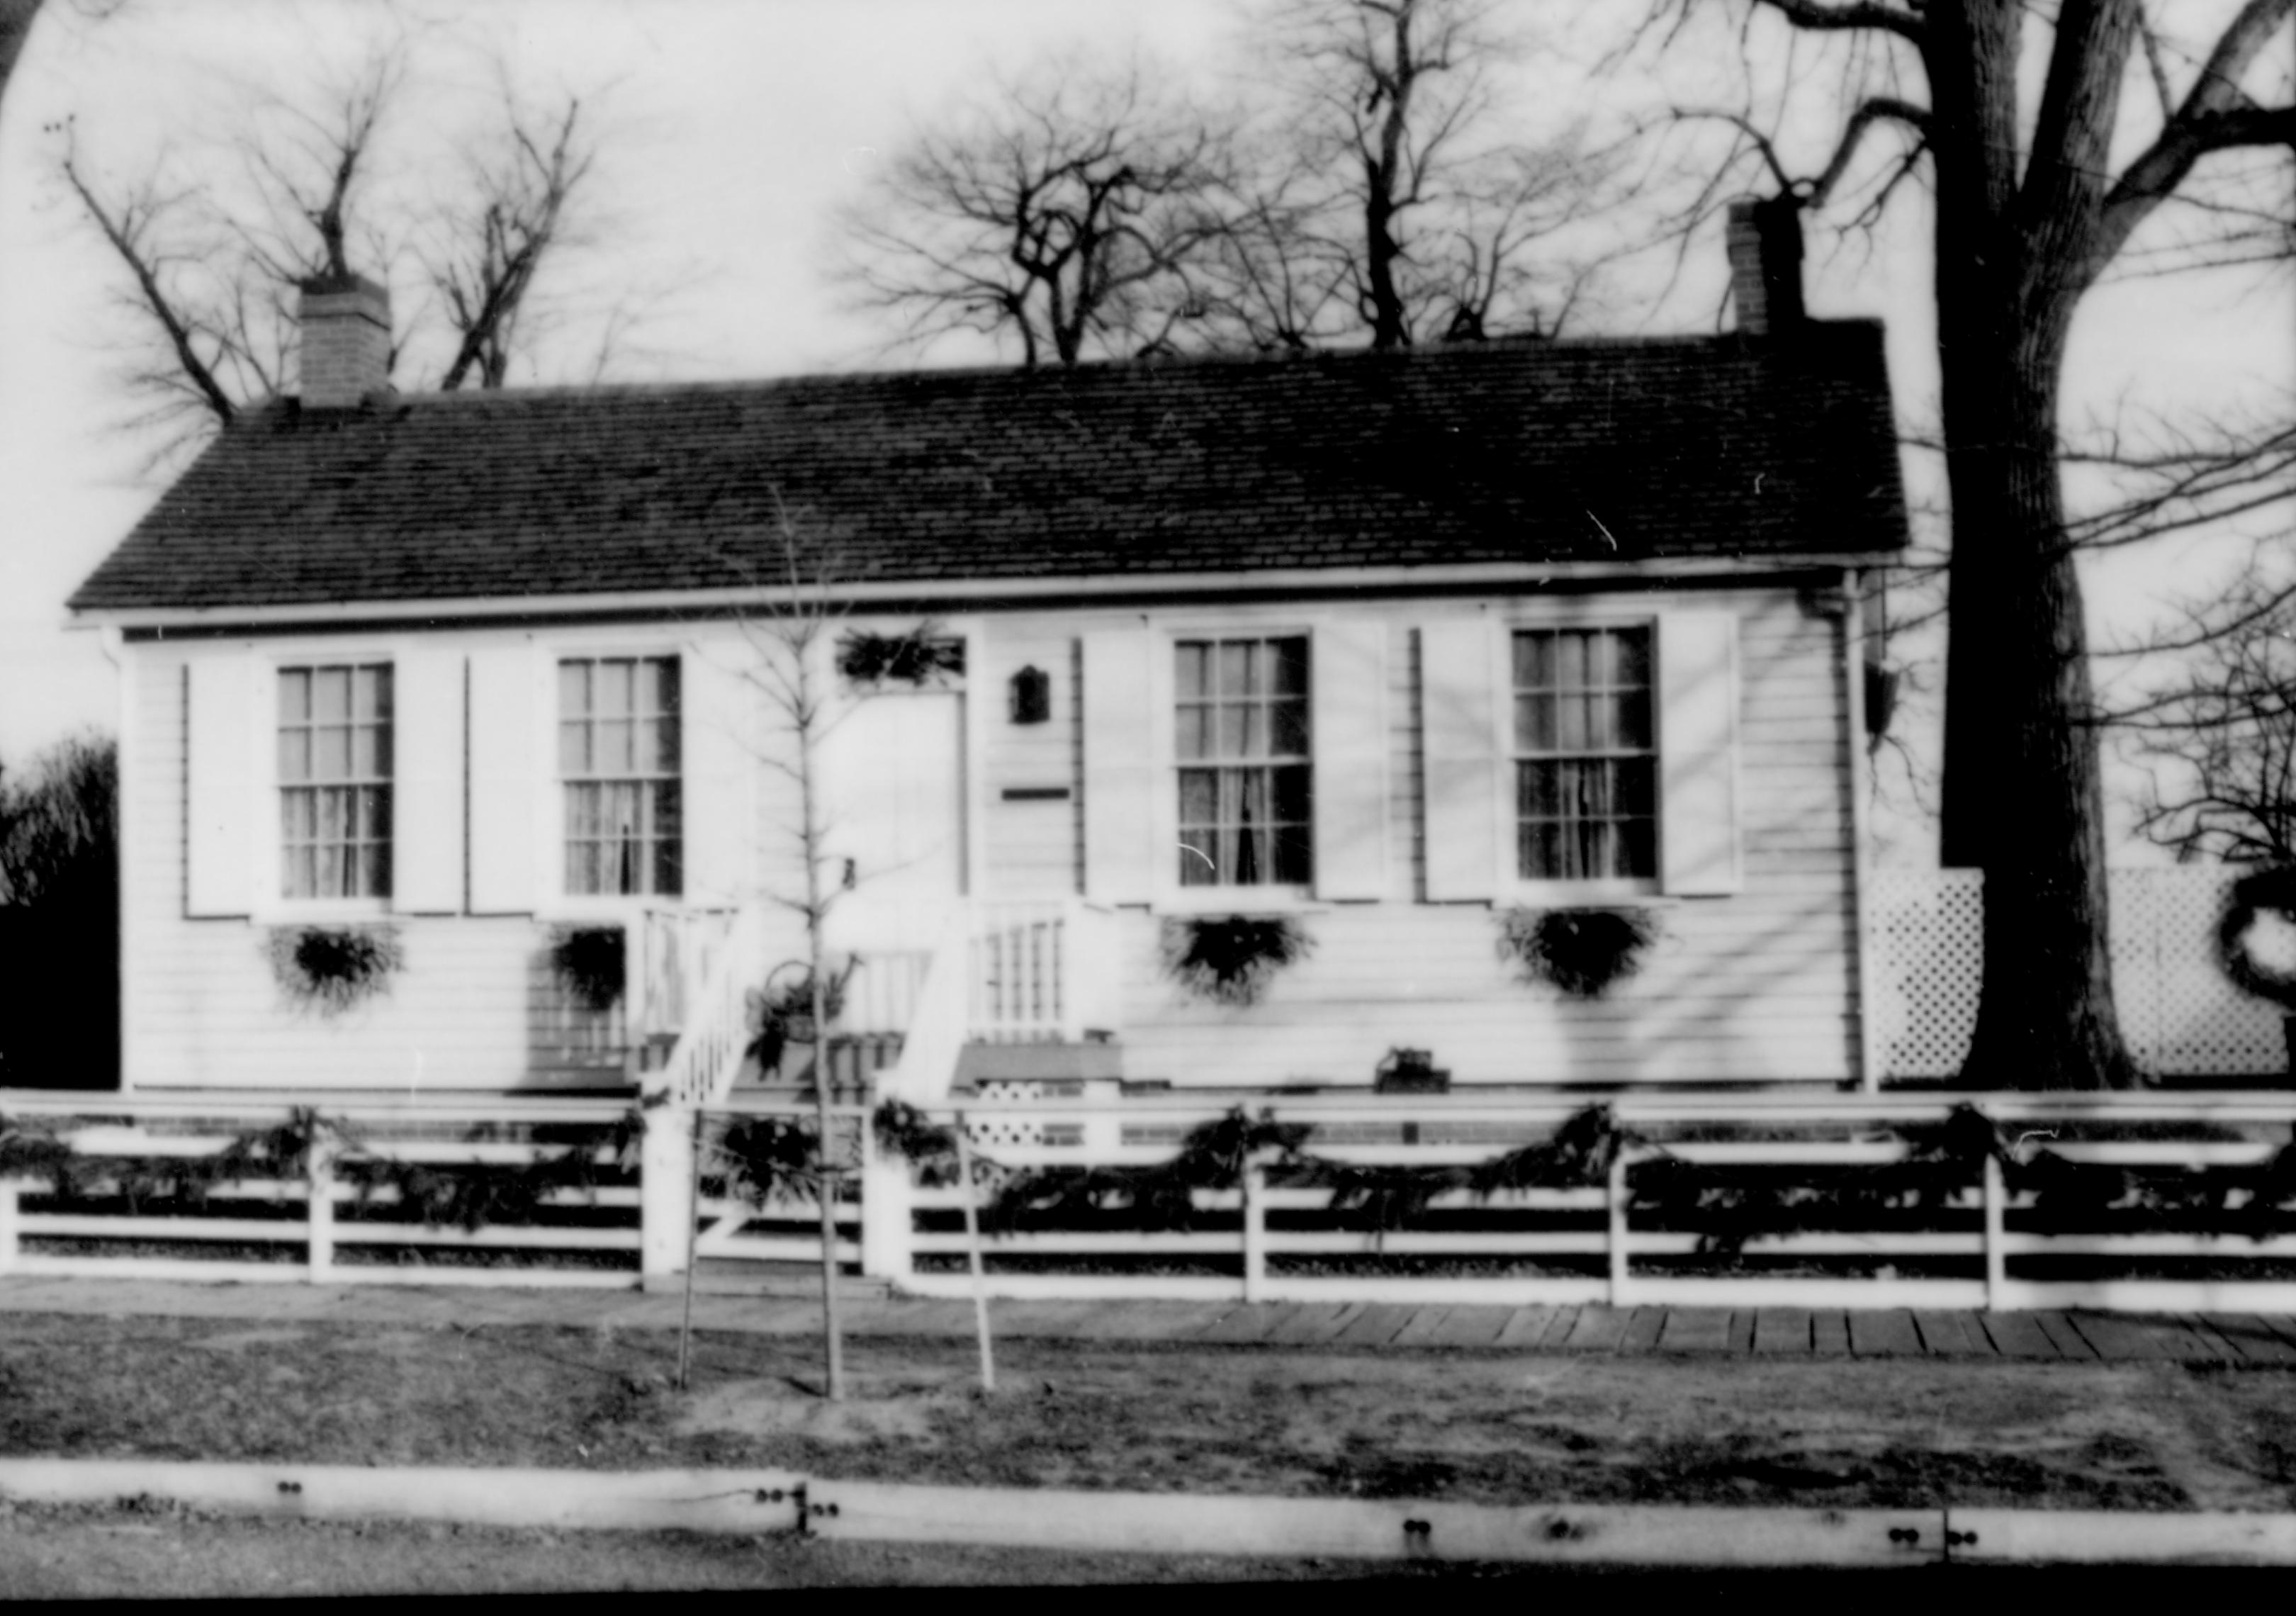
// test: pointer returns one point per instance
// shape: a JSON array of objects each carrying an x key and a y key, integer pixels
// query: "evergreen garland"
[
  {"x": 917, "y": 658},
  {"x": 591, "y": 965}
]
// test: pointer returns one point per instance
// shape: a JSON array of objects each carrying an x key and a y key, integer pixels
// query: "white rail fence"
[
  {"x": 2181, "y": 1015},
  {"x": 1985, "y": 1242},
  {"x": 342, "y": 1220}
]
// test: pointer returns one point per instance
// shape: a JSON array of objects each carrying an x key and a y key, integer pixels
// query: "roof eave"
[{"x": 1269, "y": 581}]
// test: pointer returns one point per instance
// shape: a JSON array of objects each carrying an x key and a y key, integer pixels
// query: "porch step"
[{"x": 742, "y": 1276}]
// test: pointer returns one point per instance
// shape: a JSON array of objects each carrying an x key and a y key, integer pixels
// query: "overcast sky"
[{"x": 738, "y": 126}]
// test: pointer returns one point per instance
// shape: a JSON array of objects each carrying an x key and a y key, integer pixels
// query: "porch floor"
[{"x": 2231, "y": 1340}]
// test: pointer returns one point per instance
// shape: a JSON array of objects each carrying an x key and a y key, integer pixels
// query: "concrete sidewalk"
[{"x": 2239, "y": 1341}]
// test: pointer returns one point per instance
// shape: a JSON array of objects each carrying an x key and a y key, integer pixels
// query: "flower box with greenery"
[
  {"x": 329, "y": 969},
  {"x": 1229, "y": 961},
  {"x": 1583, "y": 952}
]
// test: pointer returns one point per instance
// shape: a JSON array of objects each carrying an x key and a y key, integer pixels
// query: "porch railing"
[{"x": 1042, "y": 973}]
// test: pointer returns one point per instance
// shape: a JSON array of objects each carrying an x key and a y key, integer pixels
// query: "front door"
[{"x": 894, "y": 772}]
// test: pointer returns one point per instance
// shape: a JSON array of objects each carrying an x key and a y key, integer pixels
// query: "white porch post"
[
  {"x": 666, "y": 1169},
  {"x": 887, "y": 1210},
  {"x": 9, "y": 1225},
  {"x": 319, "y": 1186}
]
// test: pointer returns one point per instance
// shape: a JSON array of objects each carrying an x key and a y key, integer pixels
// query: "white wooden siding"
[
  {"x": 1754, "y": 986},
  {"x": 1033, "y": 846}
]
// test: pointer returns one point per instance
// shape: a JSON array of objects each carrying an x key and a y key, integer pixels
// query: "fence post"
[
  {"x": 665, "y": 1191},
  {"x": 1255, "y": 1231},
  {"x": 888, "y": 1210},
  {"x": 1616, "y": 1194},
  {"x": 319, "y": 1206},
  {"x": 9, "y": 1229},
  {"x": 1997, "y": 1266}
]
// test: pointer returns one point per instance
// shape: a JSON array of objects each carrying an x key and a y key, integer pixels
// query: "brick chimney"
[
  {"x": 345, "y": 341},
  {"x": 1766, "y": 265}
]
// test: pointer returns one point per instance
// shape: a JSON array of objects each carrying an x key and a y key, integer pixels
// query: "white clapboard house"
[{"x": 1394, "y": 646}]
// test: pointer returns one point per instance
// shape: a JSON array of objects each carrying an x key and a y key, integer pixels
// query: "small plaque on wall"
[{"x": 1036, "y": 793}]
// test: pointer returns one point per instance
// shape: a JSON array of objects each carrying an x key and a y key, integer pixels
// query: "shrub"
[{"x": 1229, "y": 961}]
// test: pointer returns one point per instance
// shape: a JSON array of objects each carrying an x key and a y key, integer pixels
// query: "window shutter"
[
  {"x": 513, "y": 735},
  {"x": 426, "y": 786},
  {"x": 1120, "y": 783},
  {"x": 1698, "y": 753},
  {"x": 1348, "y": 716},
  {"x": 1459, "y": 727},
  {"x": 223, "y": 720},
  {"x": 718, "y": 763}
]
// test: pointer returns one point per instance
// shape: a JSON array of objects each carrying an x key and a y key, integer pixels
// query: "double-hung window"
[
  {"x": 334, "y": 780},
  {"x": 1586, "y": 759},
  {"x": 617, "y": 761},
  {"x": 1241, "y": 743}
]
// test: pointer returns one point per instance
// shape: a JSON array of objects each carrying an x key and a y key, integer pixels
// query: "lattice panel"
[
  {"x": 1928, "y": 943},
  {"x": 990, "y": 1133},
  {"x": 2181, "y": 1016}
]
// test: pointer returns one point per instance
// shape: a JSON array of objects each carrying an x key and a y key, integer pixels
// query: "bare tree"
[
  {"x": 1065, "y": 214},
  {"x": 494, "y": 245},
  {"x": 210, "y": 270},
  {"x": 2031, "y": 204},
  {"x": 2218, "y": 739},
  {"x": 1388, "y": 200}
]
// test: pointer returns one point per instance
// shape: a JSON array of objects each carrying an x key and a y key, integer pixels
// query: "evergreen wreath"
[
  {"x": 2267, "y": 896},
  {"x": 591, "y": 965},
  {"x": 329, "y": 970},
  {"x": 1229, "y": 961},
  {"x": 917, "y": 658},
  {"x": 1584, "y": 952}
]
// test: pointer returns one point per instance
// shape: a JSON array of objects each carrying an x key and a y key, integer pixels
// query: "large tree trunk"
[{"x": 2024, "y": 798}]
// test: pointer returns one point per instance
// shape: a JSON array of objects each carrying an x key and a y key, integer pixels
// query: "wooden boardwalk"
[{"x": 1765, "y": 1334}]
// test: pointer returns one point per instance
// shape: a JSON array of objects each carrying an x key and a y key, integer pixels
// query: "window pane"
[
  {"x": 1570, "y": 722},
  {"x": 1533, "y": 661},
  {"x": 297, "y": 883},
  {"x": 1199, "y": 796},
  {"x": 667, "y": 810},
  {"x": 1293, "y": 865},
  {"x": 615, "y": 687},
  {"x": 331, "y": 813},
  {"x": 364, "y": 702},
  {"x": 1632, "y": 663},
  {"x": 573, "y": 749},
  {"x": 648, "y": 699},
  {"x": 581, "y": 867},
  {"x": 327, "y": 871},
  {"x": 1288, "y": 736},
  {"x": 1637, "y": 786},
  {"x": 1630, "y": 719},
  {"x": 1192, "y": 733},
  {"x": 295, "y": 814},
  {"x": 294, "y": 695},
  {"x": 294, "y": 754},
  {"x": 364, "y": 761},
  {"x": 331, "y": 694},
  {"x": 1571, "y": 657},
  {"x": 665, "y": 678},
  {"x": 1241, "y": 733},
  {"x": 1287, "y": 676},
  {"x": 573, "y": 689},
  {"x": 1535, "y": 792},
  {"x": 1639, "y": 840},
  {"x": 1534, "y": 723},
  {"x": 669, "y": 876},
  {"x": 1189, "y": 670},
  {"x": 1199, "y": 861},
  {"x": 376, "y": 812},
  {"x": 614, "y": 754},
  {"x": 1290, "y": 804},
  {"x": 382, "y": 751},
  {"x": 1235, "y": 667}
]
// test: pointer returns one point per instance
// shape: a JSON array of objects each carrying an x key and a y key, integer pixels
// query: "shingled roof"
[{"x": 1506, "y": 452}]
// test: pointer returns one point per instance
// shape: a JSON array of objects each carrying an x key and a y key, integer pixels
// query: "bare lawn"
[{"x": 1484, "y": 1426}]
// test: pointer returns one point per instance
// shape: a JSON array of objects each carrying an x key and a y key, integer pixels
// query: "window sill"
[
  {"x": 325, "y": 912},
  {"x": 1586, "y": 895},
  {"x": 1239, "y": 900}
]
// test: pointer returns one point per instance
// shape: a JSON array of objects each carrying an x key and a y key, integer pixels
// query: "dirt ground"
[{"x": 1474, "y": 1426}]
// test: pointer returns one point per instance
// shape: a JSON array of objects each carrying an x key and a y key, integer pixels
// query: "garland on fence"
[
  {"x": 1728, "y": 1204},
  {"x": 471, "y": 1194}
]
